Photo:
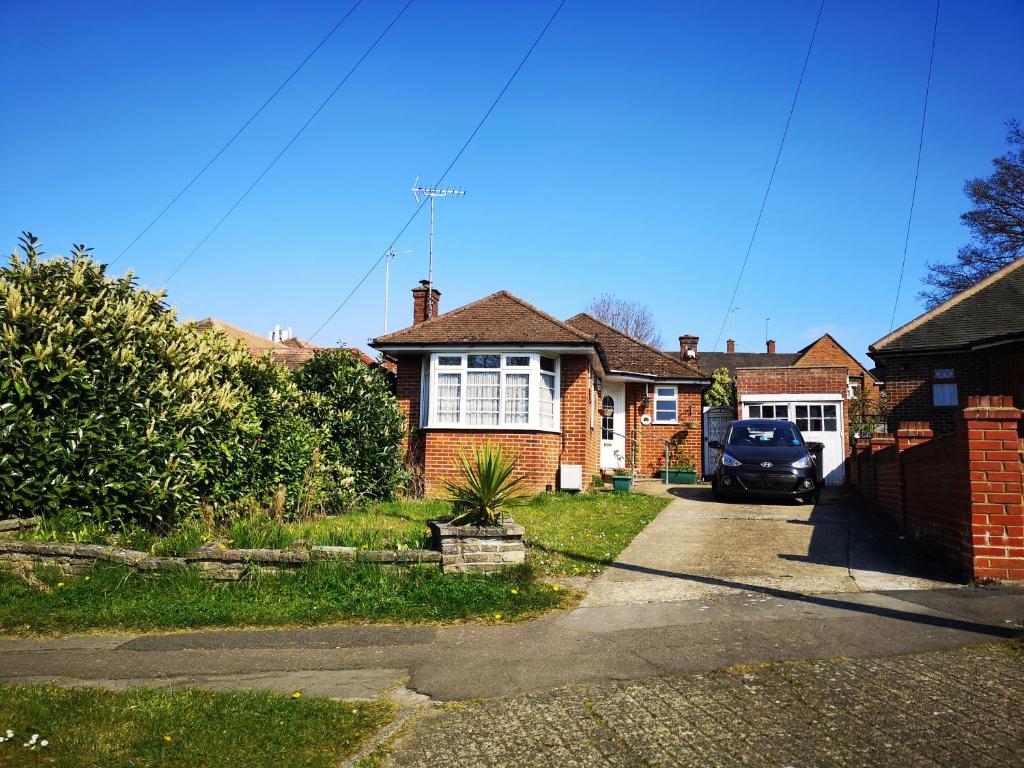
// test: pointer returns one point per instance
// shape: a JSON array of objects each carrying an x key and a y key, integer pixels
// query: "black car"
[{"x": 762, "y": 457}]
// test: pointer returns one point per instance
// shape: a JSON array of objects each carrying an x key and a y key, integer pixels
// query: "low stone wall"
[
  {"x": 12, "y": 525},
  {"x": 466, "y": 548},
  {"x": 211, "y": 561}
]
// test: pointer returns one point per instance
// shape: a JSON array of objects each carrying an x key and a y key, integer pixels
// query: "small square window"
[
  {"x": 944, "y": 373},
  {"x": 754, "y": 411},
  {"x": 517, "y": 360},
  {"x": 665, "y": 405},
  {"x": 449, "y": 360}
]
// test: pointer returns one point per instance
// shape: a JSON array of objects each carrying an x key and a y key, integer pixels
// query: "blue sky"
[{"x": 629, "y": 157}]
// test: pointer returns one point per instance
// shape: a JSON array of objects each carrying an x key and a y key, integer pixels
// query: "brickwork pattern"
[
  {"x": 959, "y": 492},
  {"x": 537, "y": 453},
  {"x": 581, "y": 433},
  {"x": 651, "y": 438}
]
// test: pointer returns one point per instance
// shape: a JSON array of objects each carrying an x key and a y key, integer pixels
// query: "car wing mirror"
[{"x": 716, "y": 445}]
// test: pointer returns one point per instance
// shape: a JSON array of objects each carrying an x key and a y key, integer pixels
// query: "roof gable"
[
  {"x": 992, "y": 309},
  {"x": 803, "y": 361},
  {"x": 625, "y": 354},
  {"x": 500, "y": 318}
]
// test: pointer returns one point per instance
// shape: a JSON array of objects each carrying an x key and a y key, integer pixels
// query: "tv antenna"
[
  {"x": 432, "y": 193},
  {"x": 388, "y": 258}
]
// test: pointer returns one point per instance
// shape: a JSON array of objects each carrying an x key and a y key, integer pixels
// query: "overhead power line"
[
  {"x": 291, "y": 141},
  {"x": 771, "y": 178},
  {"x": 917, "y": 167},
  {"x": 238, "y": 133},
  {"x": 444, "y": 175}
]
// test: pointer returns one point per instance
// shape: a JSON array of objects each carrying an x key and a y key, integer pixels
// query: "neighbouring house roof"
[
  {"x": 292, "y": 352},
  {"x": 710, "y": 362},
  {"x": 500, "y": 318},
  {"x": 624, "y": 354},
  {"x": 989, "y": 312}
]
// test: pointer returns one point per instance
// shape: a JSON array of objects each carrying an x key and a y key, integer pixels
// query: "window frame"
[
  {"x": 536, "y": 375},
  {"x": 674, "y": 399},
  {"x": 945, "y": 381}
]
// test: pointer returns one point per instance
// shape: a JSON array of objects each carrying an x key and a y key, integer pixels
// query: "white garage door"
[{"x": 820, "y": 421}]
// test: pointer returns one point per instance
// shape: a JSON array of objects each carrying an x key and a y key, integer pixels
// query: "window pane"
[
  {"x": 449, "y": 360},
  {"x": 482, "y": 398},
  {"x": 781, "y": 411},
  {"x": 484, "y": 361},
  {"x": 830, "y": 425},
  {"x": 547, "y": 364},
  {"x": 944, "y": 395},
  {"x": 754, "y": 411},
  {"x": 830, "y": 411},
  {"x": 801, "y": 411},
  {"x": 665, "y": 391},
  {"x": 607, "y": 420},
  {"x": 517, "y": 397},
  {"x": 801, "y": 424},
  {"x": 944, "y": 373},
  {"x": 449, "y": 390},
  {"x": 547, "y": 400},
  {"x": 815, "y": 410},
  {"x": 517, "y": 360},
  {"x": 665, "y": 410},
  {"x": 814, "y": 425}
]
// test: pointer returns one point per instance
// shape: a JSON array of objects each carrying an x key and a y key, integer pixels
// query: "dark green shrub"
[
  {"x": 361, "y": 421},
  {"x": 110, "y": 409}
]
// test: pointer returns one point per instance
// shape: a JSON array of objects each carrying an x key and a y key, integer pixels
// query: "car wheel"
[{"x": 715, "y": 493}]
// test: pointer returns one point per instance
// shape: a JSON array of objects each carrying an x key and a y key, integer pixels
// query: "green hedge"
[{"x": 111, "y": 412}]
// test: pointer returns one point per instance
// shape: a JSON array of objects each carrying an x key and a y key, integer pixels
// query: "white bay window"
[{"x": 492, "y": 390}]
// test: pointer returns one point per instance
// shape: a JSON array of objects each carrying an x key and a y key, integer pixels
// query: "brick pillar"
[{"x": 988, "y": 431}]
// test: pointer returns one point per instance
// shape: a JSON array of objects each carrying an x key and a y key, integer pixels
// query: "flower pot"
[
  {"x": 622, "y": 483},
  {"x": 679, "y": 476}
]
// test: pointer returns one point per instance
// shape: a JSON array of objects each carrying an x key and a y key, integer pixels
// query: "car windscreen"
[{"x": 782, "y": 433}]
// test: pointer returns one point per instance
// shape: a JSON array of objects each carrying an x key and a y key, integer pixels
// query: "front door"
[{"x": 613, "y": 426}]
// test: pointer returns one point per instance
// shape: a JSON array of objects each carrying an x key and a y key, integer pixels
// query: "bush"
[
  {"x": 112, "y": 411},
  {"x": 362, "y": 423}
]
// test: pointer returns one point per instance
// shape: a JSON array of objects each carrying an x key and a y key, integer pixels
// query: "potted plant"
[
  {"x": 622, "y": 479},
  {"x": 682, "y": 470}
]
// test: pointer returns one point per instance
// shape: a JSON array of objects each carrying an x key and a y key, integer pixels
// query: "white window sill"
[
  {"x": 492, "y": 428},
  {"x": 665, "y": 423}
]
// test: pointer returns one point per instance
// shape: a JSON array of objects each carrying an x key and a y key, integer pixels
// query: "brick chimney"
[
  {"x": 419, "y": 303},
  {"x": 730, "y": 346},
  {"x": 688, "y": 347},
  {"x": 771, "y": 346}
]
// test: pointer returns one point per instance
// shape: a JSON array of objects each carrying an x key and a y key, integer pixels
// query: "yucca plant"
[{"x": 486, "y": 484}]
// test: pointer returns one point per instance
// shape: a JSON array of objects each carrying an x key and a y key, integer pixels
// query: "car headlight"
[
  {"x": 803, "y": 463},
  {"x": 729, "y": 461}
]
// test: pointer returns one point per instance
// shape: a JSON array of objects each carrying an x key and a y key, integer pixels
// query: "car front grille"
[{"x": 768, "y": 481}]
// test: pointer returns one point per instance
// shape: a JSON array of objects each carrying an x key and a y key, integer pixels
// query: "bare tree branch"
[{"x": 630, "y": 317}]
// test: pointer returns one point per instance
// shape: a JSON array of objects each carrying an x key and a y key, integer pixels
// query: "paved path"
[
  {"x": 951, "y": 708},
  {"x": 699, "y": 548}
]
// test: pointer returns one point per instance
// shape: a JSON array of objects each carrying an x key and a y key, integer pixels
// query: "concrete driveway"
[{"x": 699, "y": 548}]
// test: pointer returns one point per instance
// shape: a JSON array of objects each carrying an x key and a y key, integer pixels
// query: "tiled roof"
[
  {"x": 292, "y": 352},
  {"x": 991, "y": 310},
  {"x": 625, "y": 354},
  {"x": 709, "y": 362},
  {"x": 500, "y": 318}
]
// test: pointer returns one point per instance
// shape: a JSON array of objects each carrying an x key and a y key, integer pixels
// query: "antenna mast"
[{"x": 432, "y": 193}]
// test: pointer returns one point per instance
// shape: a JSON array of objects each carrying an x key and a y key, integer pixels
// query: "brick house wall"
[
  {"x": 908, "y": 383},
  {"x": 408, "y": 371},
  {"x": 538, "y": 454},
  {"x": 651, "y": 438},
  {"x": 794, "y": 381},
  {"x": 581, "y": 434},
  {"x": 960, "y": 492},
  {"x": 826, "y": 352}
]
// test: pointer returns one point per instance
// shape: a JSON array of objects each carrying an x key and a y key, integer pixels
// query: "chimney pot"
[
  {"x": 771, "y": 346},
  {"x": 688, "y": 347},
  {"x": 730, "y": 346},
  {"x": 421, "y": 308}
]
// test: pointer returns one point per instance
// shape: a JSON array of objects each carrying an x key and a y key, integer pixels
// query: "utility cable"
[
  {"x": 451, "y": 165},
  {"x": 237, "y": 133},
  {"x": 775, "y": 167},
  {"x": 917, "y": 167},
  {"x": 291, "y": 141}
]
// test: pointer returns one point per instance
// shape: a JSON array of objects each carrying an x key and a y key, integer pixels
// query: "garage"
[{"x": 819, "y": 416}]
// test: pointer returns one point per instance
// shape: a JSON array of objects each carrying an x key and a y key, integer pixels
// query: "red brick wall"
[
  {"x": 827, "y": 352},
  {"x": 581, "y": 434},
  {"x": 651, "y": 438},
  {"x": 960, "y": 492},
  {"x": 407, "y": 391},
  {"x": 537, "y": 452},
  {"x": 908, "y": 384}
]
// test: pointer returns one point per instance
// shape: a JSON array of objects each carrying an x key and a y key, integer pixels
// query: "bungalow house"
[
  {"x": 811, "y": 387},
  {"x": 970, "y": 345},
  {"x": 573, "y": 399}
]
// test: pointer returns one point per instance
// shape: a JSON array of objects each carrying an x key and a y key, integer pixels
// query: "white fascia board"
[
  {"x": 644, "y": 378},
  {"x": 783, "y": 397},
  {"x": 457, "y": 348}
]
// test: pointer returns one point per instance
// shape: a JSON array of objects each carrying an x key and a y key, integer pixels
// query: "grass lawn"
[
  {"x": 579, "y": 534},
  {"x": 191, "y": 727},
  {"x": 117, "y": 598}
]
